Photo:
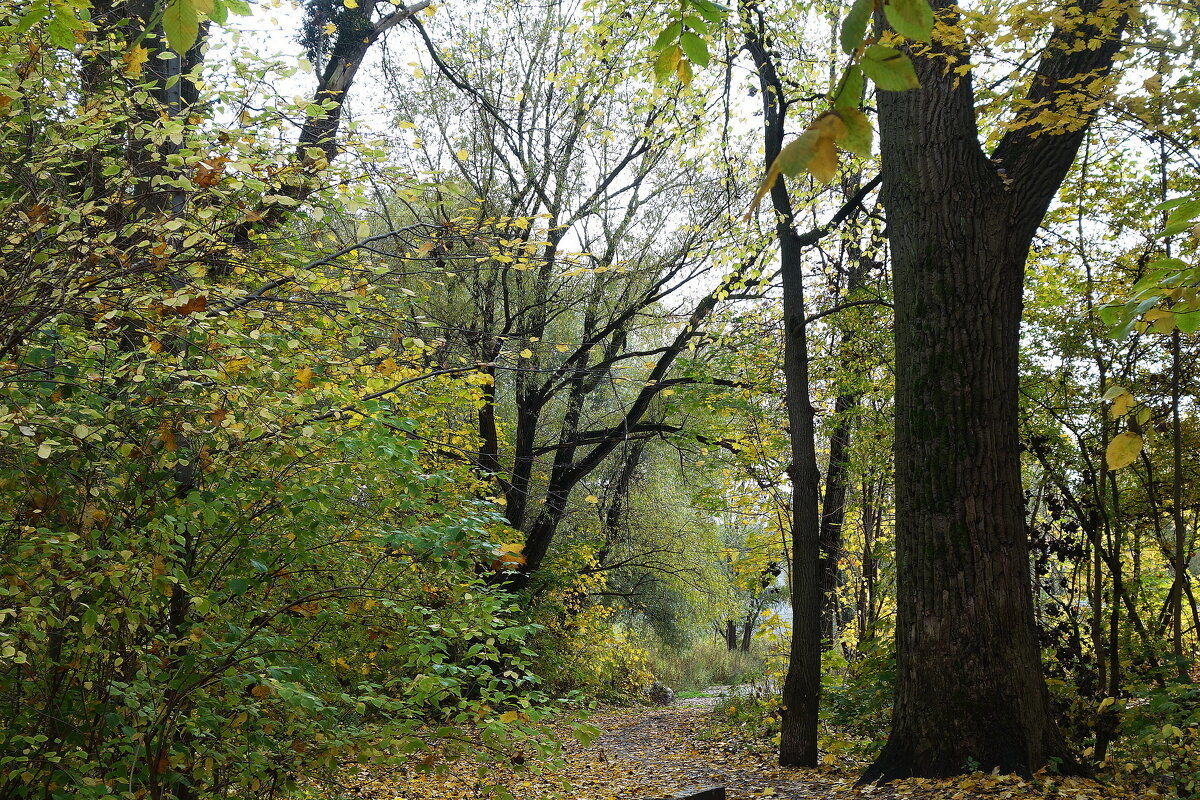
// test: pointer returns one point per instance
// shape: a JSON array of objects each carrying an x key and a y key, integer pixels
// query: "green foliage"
[
  {"x": 1160, "y": 737},
  {"x": 856, "y": 699},
  {"x": 1168, "y": 295},
  {"x": 706, "y": 663},
  {"x": 232, "y": 551}
]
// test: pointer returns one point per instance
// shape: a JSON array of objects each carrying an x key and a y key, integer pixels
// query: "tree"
[
  {"x": 970, "y": 691},
  {"x": 560, "y": 154},
  {"x": 810, "y": 529}
]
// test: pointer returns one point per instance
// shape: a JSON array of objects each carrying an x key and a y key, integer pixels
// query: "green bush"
[
  {"x": 275, "y": 619},
  {"x": 857, "y": 697},
  {"x": 1158, "y": 738}
]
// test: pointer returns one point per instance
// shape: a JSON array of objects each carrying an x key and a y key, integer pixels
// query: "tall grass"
[{"x": 706, "y": 663}]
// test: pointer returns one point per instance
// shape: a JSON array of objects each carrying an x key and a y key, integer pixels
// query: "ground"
[{"x": 649, "y": 753}]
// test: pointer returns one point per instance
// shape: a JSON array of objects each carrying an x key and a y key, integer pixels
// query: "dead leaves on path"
[{"x": 654, "y": 752}]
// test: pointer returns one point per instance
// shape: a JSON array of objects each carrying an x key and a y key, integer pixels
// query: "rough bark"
[{"x": 969, "y": 693}]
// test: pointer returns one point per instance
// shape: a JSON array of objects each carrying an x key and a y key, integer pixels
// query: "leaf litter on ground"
[{"x": 647, "y": 753}]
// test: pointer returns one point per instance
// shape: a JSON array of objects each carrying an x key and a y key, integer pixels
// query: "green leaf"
[
  {"x": 61, "y": 30},
  {"x": 851, "y": 93},
  {"x": 854, "y": 26},
  {"x": 1173, "y": 228},
  {"x": 1114, "y": 392},
  {"x": 668, "y": 36},
  {"x": 710, "y": 14},
  {"x": 912, "y": 19},
  {"x": 1188, "y": 321},
  {"x": 219, "y": 13},
  {"x": 181, "y": 24},
  {"x": 696, "y": 24},
  {"x": 1167, "y": 265},
  {"x": 695, "y": 47},
  {"x": 859, "y": 134},
  {"x": 709, "y": 10},
  {"x": 1185, "y": 211},
  {"x": 889, "y": 68},
  {"x": 795, "y": 158},
  {"x": 33, "y": 17}
]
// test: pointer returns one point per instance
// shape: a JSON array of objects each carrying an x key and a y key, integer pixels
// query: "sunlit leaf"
[{"x": 1123, "y": 450}]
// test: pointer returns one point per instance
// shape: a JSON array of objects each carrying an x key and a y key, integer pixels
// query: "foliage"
[
  {"x": 706, "y": 663},
  {"x": 229, "y": 559},
  {"x": 1160, "y": 741},
  {"x": 858, "y": 699},
  {"x": 274, "y": 425}
]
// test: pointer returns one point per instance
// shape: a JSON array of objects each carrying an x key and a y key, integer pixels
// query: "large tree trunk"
[{"x": 969, "y": 691}]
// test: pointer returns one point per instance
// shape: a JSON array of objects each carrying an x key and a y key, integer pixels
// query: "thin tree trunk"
[{"x": 833, "y": 513}]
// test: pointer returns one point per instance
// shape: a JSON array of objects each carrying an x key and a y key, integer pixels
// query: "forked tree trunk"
[{"x": 969, "y": 693}]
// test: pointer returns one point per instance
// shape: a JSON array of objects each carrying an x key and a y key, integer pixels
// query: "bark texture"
[{"x": 970, "y": 692}]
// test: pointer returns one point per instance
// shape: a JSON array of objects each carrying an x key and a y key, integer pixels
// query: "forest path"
[
  {"x": 647, "y": 753},
  {"x": 665, "y": 750}
]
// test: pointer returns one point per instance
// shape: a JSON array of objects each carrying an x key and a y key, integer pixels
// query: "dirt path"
[
  {"x": 666, "y": 748},
  {"x": 651, "y": 753}
]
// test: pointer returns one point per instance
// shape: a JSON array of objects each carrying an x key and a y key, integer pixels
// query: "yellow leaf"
[
  {"x": 1121, "y": 405},
  {"x": 350, "y": 3},
  {"x": 134, "y": 60},
  {"x": 1161, "y": 320},
  {"x": 562, "y": 348},
  {"x": 591, "y": 498},
  {"x": 330, "y": 29},
  {"x": 824, "y": 163},
  {"x": 304, "y": 378},
  {"x": 526, "y": 353},
  {"x": 684, "y": 72},
  {"x": 1123, "y": 450},
  {"x": 667, "y": 63},
  {"x": 167, "y": 436},
  {"x": 791, "y": 161},
  {"x": 462, "y": 155},
  {"x": 508, "y": 716},
  {"x": 262, "y": 690},
  {"x": 512, "y": 547},
  {"x": 830, "y": 125}
]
